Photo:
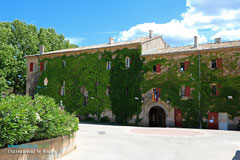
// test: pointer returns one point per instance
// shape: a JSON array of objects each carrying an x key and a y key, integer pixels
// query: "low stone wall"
[{"x": 49, "y": 149}]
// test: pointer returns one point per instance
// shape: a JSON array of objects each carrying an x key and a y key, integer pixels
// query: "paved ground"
[{"x": 105, "y": 142}]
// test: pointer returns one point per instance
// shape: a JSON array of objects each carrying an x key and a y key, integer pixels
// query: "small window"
[
  {"x": 182, "y": 91},
  {"x": 214, "y": 63},
  {"x": 108, "y": 65},
  {"x": 214, "y": 90},
  {"x": 127, "y": 62},
  {"x": 35, "y": 67},
  {"x": 64, "y": 63},
  {"x": 85, "y": 100},
  {"x": 45, "y": 65},
  {"x": 182, "y": 67},
  {"x": 154, "y": 68},
  {"x": 127, "y": 91},
  {"x": 63, "y": 91},
  {"x": 108, "y": 91}
]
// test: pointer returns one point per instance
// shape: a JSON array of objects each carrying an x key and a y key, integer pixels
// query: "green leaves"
[
  {"x": 23, "y": 119},
  {"x": 18, "y": 39}
]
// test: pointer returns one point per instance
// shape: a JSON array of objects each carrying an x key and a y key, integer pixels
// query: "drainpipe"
[{"x": 199, "y": 93}]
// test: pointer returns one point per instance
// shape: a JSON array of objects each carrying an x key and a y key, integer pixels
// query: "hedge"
[{"x": 23, "y": 119}]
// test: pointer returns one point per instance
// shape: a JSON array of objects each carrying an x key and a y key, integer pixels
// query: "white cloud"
[
  {"x": 174, "y": 32},
  {"x": 76, "y": 40},
  {"x": 228, "y": 35},
  {"x": 222, "y": 16}
]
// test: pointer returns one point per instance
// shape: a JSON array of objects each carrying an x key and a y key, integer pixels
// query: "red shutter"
[
  {"x": 217, "y": 92},
  {"x": 187, "y": 91},
  {"x": 31, "y": 67},
  {"x": 186, "y": 64},
  {"x": 130, "y": 61},
  {"x": 41, "y": 66},
  {"x": 219, "y": 63},
  {"x": 158, "y": 68},
  {"x": 159, "y": 92}
]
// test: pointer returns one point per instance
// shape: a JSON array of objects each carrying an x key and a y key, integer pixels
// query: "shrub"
[
  {"x": 23, "y": 119},
  {"x": 105, "y": 119}
]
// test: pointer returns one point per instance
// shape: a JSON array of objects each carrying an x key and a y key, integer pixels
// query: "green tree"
[{"x": 18, "y": 39}]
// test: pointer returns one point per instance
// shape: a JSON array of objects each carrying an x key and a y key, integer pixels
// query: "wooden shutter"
[
  {"x": 186, "y": 64},
  {"x": 187, "y": 91},
  {"x": 219, "y": 63},
  {"x": 41, "y": 66},
  {"x": 31, "y": 67},
  {"x": 130, "y": 61},
  {"x": 217, "y": 91},
  {"x": 158, "y": 68}
]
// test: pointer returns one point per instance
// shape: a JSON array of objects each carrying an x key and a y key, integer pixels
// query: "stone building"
[{"x": 155, "y": 112}]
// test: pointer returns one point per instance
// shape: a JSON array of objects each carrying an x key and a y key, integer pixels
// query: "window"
[
  {"x": 34, "y": 67},
  {"x": 185, "y": 91},
  {"x": 108, "y": 65},
  {"x": 181, "y": 66},
  {"x": 45, "y": 65},
  {"x": 85, "y": 101},
  {"x": 63, "y": 91},
  {"x": 154, "y": 68},
  {"x": 85, "y": 96},
  {"x": 184, "y": 66},
  {"x": 182, "y": 91},
  {"x": 64, "y": 63},
  {"x": 128, "y": 62},
  {"x": 108, "y": 91},
  {"x": 215, "y": 91},
  {"x": 214, "y": 63},
  {"x": 127, "y": 91}
]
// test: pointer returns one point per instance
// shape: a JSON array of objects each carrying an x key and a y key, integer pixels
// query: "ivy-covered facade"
[{"x": 142, "y": 81}]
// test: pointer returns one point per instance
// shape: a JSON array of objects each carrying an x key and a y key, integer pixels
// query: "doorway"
[{"x": 157, "y": 117}]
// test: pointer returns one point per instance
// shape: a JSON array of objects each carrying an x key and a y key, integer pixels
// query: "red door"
[
  {"x": 178, "y": 118},
  {"x": 213, "y": 120}
]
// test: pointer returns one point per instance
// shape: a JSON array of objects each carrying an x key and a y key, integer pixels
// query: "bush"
[
  {"x": 23, "y": 119},
  {"x": 105, "y": 119}
]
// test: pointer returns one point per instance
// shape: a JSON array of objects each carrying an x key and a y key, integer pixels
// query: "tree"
[{"x": 18, "y": 39}]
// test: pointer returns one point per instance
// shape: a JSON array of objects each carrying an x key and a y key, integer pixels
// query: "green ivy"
[{"x": 89, "y": 70}]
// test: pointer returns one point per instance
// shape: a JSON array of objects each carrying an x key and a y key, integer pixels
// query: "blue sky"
[{"x": 94, "y": 21}]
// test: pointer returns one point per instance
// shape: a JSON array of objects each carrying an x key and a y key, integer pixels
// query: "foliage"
[
  {"x": 17, "y": 39},
  {"x": 23, "y": 119},
  {"x": 89, "y": 71},
  {"x": 171, "y": 80}
]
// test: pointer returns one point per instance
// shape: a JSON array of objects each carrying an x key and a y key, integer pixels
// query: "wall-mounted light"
[{"x": 230, "y": 97}]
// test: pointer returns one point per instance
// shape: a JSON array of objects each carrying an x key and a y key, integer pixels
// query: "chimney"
[
  {"x": 217, "y": 40},
  {"x": 41, "y": 49},
  {"x": 150, "y": 33},
  {"x": 111, "y": 40},
  {"x": 195, "y": 42}
]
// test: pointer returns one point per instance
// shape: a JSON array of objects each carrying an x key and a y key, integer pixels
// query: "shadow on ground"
[{"x": 237, "y": 156}]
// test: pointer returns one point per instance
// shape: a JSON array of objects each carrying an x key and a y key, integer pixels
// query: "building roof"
[
  {"x": 208, "y": 46},
  {"x": 136, "y": 41}
]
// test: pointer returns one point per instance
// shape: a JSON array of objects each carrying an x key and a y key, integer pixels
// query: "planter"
[{"x": 48, "y": 149}]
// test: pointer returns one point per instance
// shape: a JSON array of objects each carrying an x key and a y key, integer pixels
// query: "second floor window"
[
  {"x": 214, "y": 63},
  {"x": 128, "y": 61},
  {"x": 108, "y": 65},
  {"x": 108, "y": 91}
]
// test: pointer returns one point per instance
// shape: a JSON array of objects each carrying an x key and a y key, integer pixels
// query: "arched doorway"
[{"x": 157, "y": 117}]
